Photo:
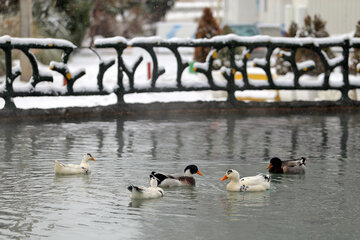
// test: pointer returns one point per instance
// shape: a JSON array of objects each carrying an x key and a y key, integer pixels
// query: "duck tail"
[
  {"x": 59, "y": 163},
  {"x": 160, "y": 177},
  {"x": 267, "y": 177}
]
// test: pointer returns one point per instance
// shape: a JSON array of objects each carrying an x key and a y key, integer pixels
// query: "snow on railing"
[
  {"x": 285, "y": 47},
  {"x": 288, "y": 48},
  {"x": 8, "y": 91}
]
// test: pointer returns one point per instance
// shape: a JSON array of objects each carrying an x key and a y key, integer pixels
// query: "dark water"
[{"x": 322, "y": 204}]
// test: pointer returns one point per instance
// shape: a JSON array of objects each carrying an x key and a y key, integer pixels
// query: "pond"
[{"x": 321, "y": 204}]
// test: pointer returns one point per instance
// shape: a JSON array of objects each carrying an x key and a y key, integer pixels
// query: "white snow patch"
[
  {"x": 258, "y": 83},
  {"x": 63, "y": 102},
  {"x": 170, "y": 97},
  {"x": 333, "y": 61},
  {"x": 203, "y": 66},
  {"x": 354, "y": 80},
  {"x": 305, "y": 65},
  {"x": 43, "y": 42},
  {"x": 5, "y": 39},
  {"x": 285, "y": 80},
  {"x": 113, "y": 40},
  {"x": 259, "y": 94},
  {"x": 260, "y": 61}
]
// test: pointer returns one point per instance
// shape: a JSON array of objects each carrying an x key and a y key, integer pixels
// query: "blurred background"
[{"x": 81, "y": 22}]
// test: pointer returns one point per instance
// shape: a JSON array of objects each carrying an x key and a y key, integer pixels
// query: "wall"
[
  {"x": 272, "y": 11},
  {"x": 341, "y": 16},
  {"x": 240, "y": 12}
]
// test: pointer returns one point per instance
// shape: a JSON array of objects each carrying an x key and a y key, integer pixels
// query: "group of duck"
[{"x": 158, "y": 181}]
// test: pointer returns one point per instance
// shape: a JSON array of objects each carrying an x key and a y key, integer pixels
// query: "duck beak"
[
  {"x": 198, "y": 172},
  {"x": 93, "y": 159},
  {"x": 225, "y": 177},
  {"x": 269, "y": 166}
]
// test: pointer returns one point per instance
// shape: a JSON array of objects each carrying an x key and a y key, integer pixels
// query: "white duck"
[
  {"x": 146, "y": 192},
  {"x": 82, "y": 168},
  {"x": 175, "y": 180},
  {"x": 256, "y": 183}
]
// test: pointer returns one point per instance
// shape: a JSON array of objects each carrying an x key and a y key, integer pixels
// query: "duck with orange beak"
[
  {"x": 176, "y": 180},
  {"x": 296, "y": 166},
  {"x": 260, "y": 182}
]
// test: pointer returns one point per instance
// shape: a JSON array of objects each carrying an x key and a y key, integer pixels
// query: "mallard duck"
[
  {"x": 296, "y": 166},
  {"x": 256, "y": 183},
  {"x": 82, "y": 168},
  {"x": 174, "y": 180},
  {"x": 146, "y": 192}
]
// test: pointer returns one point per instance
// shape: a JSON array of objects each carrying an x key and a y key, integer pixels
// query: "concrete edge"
[{"x": 161, "y": 110}]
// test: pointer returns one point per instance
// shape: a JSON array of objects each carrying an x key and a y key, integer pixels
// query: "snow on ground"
[{"x": 62, "y": 102}]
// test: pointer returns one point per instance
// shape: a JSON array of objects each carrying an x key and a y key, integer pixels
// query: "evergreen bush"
[
  {"x": 355, "y": 58},
  {"x": 207, "y": 28},
  {"x": 312, "y": 28}
]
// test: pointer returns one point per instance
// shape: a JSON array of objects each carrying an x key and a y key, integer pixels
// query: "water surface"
[{"x": 322, "y": 204}]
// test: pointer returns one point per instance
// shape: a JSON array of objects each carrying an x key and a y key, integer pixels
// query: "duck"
[
  {"x": 260, "y": 182},
  {"x": 147, "y": 192},
  {"x": 176, "y": 180},
  {"x": 68, "y": 169},
  {"x": 296, "y": 166}
]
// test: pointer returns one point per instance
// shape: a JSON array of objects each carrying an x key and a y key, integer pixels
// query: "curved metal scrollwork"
[
  {"x": 249, "y": 43},
  {"x": 288, "y": 49}
]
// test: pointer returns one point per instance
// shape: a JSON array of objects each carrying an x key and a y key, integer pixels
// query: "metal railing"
[{"x": 149, "y": 44}]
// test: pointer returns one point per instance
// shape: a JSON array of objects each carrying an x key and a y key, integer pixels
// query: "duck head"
[
  {"x": 232, "y": 175},
  {"x": 192, "y": 169},
  {"x": 275, "y": 162},
  {"x": 303, "y": 160},
  {"x": 87, "y": 157}
]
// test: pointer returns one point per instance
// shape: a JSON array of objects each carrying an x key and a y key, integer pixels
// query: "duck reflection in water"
[{"x": 234, "y": 202}]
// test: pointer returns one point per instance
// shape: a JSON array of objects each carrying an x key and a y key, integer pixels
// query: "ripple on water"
[{"x": 36, "y": 204}]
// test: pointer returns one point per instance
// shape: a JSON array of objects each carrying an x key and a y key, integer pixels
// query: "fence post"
[
  {"x": 9, "y": 104},
  {"x": 231, "y": 83},
  {"x": 120, "y": 90},
  {"x": 345, "y": 71}
]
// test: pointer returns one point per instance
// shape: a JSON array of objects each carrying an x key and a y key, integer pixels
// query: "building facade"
[{"x": 341, "y": 16}]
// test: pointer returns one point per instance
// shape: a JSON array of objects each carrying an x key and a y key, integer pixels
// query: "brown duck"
[{"x": 296, "y": 166}]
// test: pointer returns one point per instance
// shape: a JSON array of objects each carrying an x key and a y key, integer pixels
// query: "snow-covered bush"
[
  {"x": 314, "y": 28},
  {"x": 355, "y": 58},
  {"x": 223, "y": 56}
]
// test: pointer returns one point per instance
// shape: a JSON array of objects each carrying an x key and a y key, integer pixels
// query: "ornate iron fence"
[{"x": 149, "y": 44}]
